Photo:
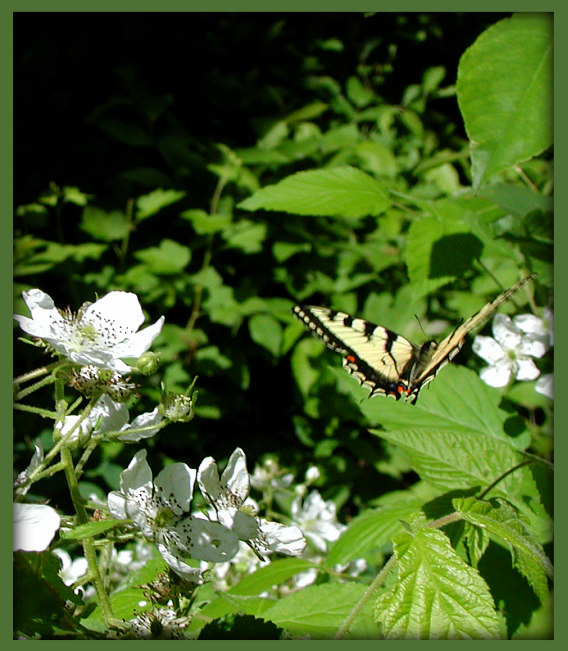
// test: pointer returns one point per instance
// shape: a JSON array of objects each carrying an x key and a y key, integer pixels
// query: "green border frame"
[{"x": 102, "y": 6}]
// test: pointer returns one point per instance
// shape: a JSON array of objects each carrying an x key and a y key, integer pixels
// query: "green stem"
[
  {"x": 34, "y": 387},
  {"x": 88, "y": 547},
  {"x": 26, "y": 377},
  {"x": 369, "y": 592}
]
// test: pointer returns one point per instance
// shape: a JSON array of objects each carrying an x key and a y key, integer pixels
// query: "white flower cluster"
[
  {"x": 160, "y": 509},
  {"x": 97, "y": 340},
  {"x": 510, "y": 352}
]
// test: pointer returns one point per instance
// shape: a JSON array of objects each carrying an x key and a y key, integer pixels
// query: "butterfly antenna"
[{"x": 420, "y": 324}]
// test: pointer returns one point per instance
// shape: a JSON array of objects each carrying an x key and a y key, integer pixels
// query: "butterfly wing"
[
  {"x": 432, "y": 357},
  {"x": 380, "y": 359}
]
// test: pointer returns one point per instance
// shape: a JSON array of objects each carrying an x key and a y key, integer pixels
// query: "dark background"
[
  {"x": 219, "y": 73},
  {"x": 119, "y": 104}
]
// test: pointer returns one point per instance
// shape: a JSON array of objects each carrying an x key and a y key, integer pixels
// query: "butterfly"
[{"x": 384, "y": 361}]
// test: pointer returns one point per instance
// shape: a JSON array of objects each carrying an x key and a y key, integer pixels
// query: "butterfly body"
[{"x": 383, "y": 361}]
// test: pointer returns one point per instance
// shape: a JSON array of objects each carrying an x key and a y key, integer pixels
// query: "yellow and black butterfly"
[{"x": 383, "y": 361}]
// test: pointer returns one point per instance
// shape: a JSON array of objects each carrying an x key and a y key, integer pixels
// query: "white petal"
[
  {"x": 182, "y": 569},
  {"x": 545, "y": 385},
  {"x": 526, "y": 369},
  {"x": 208, "y": 541},
  {"x": 243, "y": 525},
  {"x": 208, "y": 480},
  {"x": 138, "y": 474},
  {"x": 488, "y": 349},
  {"x": 497, "y": 375},
  {"x": 175, "y": 483},
  {"x": 138, "y": 343},
  {"x": 506, "y": 332},
  {"x": 531, "y": 324},
  {"x": 34, "y": 526},
  {"x": 121, "y": 307},
  {"x": 286, "y": 539},
  {"x": 110, "y": 415},
  {"x": 117, "y": 505},
  {"x": 533, "y": 346},
  {"x": 101, "y": 358},
  {"x": 146, "y": 419},
  {"x": 235, "y": 476}
]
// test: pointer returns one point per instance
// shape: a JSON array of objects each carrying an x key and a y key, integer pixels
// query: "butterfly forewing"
[{"x": 449, "y": 347}]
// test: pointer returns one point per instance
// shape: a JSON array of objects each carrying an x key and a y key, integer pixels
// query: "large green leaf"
[
  {"x": 504, "y": 525},
  {"x": 437, "y": 595},
  {"x": 319, "y": 611},
  {"x": 504, "y": 91},
  {"x": 337, "y": 192}
]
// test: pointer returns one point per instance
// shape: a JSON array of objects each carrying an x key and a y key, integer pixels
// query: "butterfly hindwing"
[{"x": 387, "y": 363}]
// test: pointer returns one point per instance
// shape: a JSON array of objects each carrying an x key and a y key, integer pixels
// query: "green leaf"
[
  {"x": 319, "y": 611},
  {"x": 304, "y": 372},
  {"x": 168, "y": 258},
  {"x": 105, "y": 226},
  {"x": 125, "y": 604},
  {"x": 431, "y": 246},
  {"x": 265, "y": 578},
  {"x": 436, "y": 595},
  {"x": 504, "y": 91},
  {"x": 245, "y": 235},
  {"x": 266, "y": 331},
  {"x": 150, "y": 204},
  {"x": 204, "y": 223},
  {"x": 337, "y": 192},
  {"x": 89, "y": 530},
  {"x": 503, "y": 525},
  {"x": 371, "y": 530},
  {"x": 456, "y": 399}
]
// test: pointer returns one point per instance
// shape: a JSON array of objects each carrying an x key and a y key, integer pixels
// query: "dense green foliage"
[{"x": 344, "y": 160}]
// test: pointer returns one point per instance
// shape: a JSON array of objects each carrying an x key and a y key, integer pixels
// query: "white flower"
[
  {"x": 537, "y": 328},
  {"x": 509, "y": 353},
  {"x": 160, "y": 509},
  {"x": 271, "y": 477},
  {"x": 102, "y": 333},
  {"x": 36, "y": 459},
  {"x": 545, "y": 385},
  {"x": 228, "y": 496},
  {"x": 317, "y": 518},
  {"x": 109, "y": 416},
  {"x": 93, "y": 382},
  {"x": 34, "y": 526},
  {"x": 159, "y": 624},
  {"x": 71, "y": 570}
]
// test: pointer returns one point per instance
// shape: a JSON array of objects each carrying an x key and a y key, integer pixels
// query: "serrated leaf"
[
  {"x": 320, "y": 610},
  {"x": 436, "y": 595},
  {"x": 456, "y": 398},
  {"x": 150, "y": 204},
  {"x": 103, "y": 225},
  {"x": 167, "y": 258},
  {"x": 503, "y": 525},
  {"x": 245, "y": 235},
  {"x": 89, "y": 530},
  {"x": 266, "y": 331},
  {"x": 504, "y": 89},
  {"x": 373, "y": 529},
  {"x": 274, "y": 574},
  {"x": 204, "y": 223},
  {"x": 337, "y": 192}
]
